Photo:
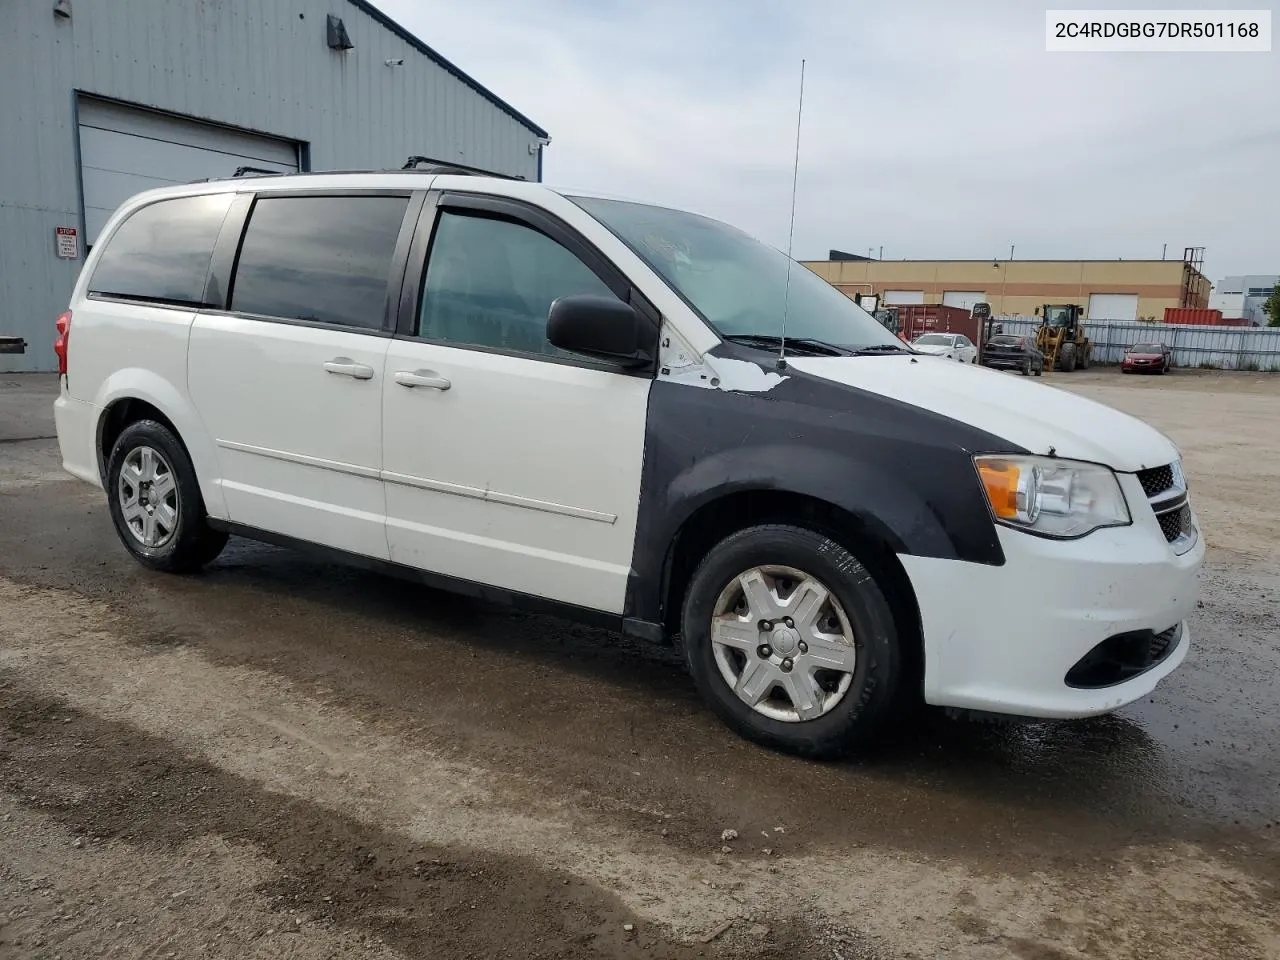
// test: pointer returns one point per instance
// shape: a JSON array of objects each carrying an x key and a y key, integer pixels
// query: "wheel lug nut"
[
  {"x": 804, "y": 647},
  {"x": 765, "y": 651},
  {"x": 787, "y": 665},
  {"x": 766, "y": 625},
  {"x": 789, "y": 622}
]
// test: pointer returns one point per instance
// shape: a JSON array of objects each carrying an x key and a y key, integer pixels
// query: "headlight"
[{"x": 1050, "y": 497}]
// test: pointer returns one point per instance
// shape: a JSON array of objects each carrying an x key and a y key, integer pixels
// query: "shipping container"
[
  {"x": 921, "y": 318},
  {"x": 1192, "y": 315}
]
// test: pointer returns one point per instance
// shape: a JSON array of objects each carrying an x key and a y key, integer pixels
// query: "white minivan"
[{"x": 585, "y": 406}]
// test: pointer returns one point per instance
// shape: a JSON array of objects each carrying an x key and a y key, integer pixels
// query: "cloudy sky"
[{"x": 934, "y": 128}]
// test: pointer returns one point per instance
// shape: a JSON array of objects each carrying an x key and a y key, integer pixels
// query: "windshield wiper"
[
  {"x": 881, "y": 348},
  {"x": 802, "y": 343}
]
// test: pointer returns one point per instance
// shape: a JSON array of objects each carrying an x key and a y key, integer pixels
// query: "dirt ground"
[{"x": 283, "y": 758}]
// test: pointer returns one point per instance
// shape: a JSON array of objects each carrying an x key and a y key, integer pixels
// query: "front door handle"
[
  {"x": 346, "y": 367},
  {"x": 421, "y": 378}
]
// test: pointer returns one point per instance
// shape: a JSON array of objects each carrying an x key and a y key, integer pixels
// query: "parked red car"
[{"x": 1147, "y": 358}]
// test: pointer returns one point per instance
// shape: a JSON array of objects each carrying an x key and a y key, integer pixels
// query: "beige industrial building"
[{"x": 1107, "y": 289}]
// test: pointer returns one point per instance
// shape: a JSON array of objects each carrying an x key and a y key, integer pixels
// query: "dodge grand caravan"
[{"x": 585, "y": 406}]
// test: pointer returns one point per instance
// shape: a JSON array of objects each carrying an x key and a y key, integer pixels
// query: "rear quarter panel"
[{"x": 131, "y": 351}]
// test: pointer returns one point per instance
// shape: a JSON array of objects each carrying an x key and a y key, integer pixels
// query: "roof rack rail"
[
  {"x": 255, "y": 172},
  {"x": 432, "y": 165}
]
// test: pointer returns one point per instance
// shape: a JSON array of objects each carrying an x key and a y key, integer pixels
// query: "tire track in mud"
[
  {"x": 317, "y": 788},
  {"x": 105, "y": 780}
]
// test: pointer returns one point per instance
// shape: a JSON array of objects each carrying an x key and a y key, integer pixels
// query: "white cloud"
[{"x": 934, "y": 128}]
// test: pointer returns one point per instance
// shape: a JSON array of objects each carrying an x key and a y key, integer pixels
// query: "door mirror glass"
[{"x": 601, "y": 327}]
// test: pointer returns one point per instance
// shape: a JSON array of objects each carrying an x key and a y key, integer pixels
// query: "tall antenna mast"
[{"x": 791, "y": 233}]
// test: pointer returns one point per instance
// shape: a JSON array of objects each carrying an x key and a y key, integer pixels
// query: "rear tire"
[
  {"x": 1026, "y": 368},
  {"x": 155, "y": 501},
  {"x": 1040, "y": 369},
  {"x": 791, "y": 698}
]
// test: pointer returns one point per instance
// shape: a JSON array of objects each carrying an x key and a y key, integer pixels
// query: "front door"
[
  {"x": 289, "y": 380},
  {"x": 506, "y": 461}
]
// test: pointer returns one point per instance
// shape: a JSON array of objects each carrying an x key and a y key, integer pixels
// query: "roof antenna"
[{"x": 795, "y": 178}]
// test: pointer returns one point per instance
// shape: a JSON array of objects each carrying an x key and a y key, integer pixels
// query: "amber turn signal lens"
[{"x": 1000, "y": 479}]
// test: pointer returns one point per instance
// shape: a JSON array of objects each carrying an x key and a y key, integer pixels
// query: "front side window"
[
  {"x": 322, "y": 259},
  {"x": 161, "y": 253},
  {"x": 491, "y": 282}
]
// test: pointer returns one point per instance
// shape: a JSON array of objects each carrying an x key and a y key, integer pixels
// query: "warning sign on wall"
[{"x": 67, "y": 242}]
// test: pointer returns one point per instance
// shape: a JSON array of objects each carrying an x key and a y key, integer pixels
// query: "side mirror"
[{"x": 601, "y": 327}]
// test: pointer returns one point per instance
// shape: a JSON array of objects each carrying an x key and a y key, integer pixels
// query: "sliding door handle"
[
  {"x": 346, "y": 367},
  {"x": 421, "y": 378}
]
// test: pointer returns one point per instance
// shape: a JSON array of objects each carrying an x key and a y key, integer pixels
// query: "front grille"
[
  {"x": 1175, "y": 522},
  {"x": 1156, "y": 480},
  {"x": 1123, "y": 657}
]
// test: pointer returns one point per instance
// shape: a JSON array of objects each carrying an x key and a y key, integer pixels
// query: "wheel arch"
[
  {"x": 862, "y": 533},
  {"x": 133, "y": 394}
]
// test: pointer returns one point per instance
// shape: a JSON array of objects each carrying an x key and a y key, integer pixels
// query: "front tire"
[
  {"x": 155, "y": 501},
  {"x": 791, "y": 641},
  {"x": 1068, "y": 358}
]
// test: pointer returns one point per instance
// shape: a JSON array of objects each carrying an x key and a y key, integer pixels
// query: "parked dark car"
[
  {"x": 1147, "y": 358},
  {"x": 1007, "y": 351}
]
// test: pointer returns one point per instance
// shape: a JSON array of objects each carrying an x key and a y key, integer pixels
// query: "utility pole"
[
  {"x": 882, "y": 251},
  {"x": 1011, "y": 251}
]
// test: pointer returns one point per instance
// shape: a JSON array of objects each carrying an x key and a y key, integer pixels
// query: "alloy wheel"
[{"x": 147, "y": 491}]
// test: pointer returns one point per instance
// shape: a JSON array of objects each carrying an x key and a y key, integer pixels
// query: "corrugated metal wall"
[
  {"x": 261, "y": 66},
  {"x": 1226, "y": 348}
]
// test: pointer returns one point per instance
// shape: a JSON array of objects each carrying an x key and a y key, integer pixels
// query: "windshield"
[
  {"x": 737, "y": 284},
  {"x": 1145, "y": 348},
  {"x": 935, "y": 339},
  {"x": 1057, "y": 316}
]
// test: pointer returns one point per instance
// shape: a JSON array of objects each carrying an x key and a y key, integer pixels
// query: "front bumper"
[{"x": 1003, "y": 639}]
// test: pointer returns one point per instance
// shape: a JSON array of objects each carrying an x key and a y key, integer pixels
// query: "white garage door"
[
  {"x": 963, "y": 298},
  {"x": 125, "y": 150},
  {"x": 1113, "y": 306},
  {"x": 904, "y": 296}
]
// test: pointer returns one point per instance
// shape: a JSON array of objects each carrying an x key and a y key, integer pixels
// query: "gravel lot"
[{"x": 282, "y": 758}]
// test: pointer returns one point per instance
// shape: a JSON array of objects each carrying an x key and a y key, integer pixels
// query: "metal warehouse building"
[
  {"x": 101, "y": 100},
  {"x": 1107, "y": 289}
]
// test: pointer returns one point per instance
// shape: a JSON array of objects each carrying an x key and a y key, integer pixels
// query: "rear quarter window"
[{"x": 161, "y": 253}]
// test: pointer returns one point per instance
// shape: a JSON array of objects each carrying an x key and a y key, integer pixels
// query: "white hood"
[{"x": 1029, "y": 414}]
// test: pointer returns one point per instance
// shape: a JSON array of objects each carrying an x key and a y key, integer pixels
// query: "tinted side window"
[
  {"x": 318, "y": 258},
  {"x": 491, "y": 282},
  {"x": 162, "y": 252}
]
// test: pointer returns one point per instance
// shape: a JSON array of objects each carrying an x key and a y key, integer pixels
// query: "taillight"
[{"x": 60, "y": 341}]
